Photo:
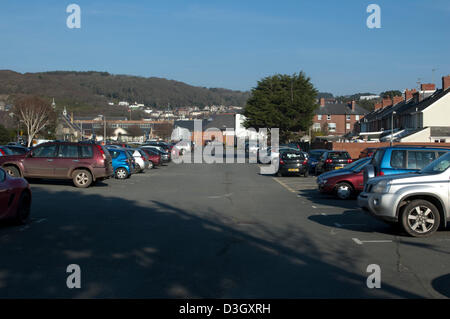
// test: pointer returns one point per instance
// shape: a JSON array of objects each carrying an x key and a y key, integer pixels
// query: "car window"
[
  {"x": 292, "y": 156},
  {"x": 420, "y": 159},
  {"x": 114, "y": 153},
  {"x": 376, "y": 161},
  {"x": 86, "y": 151},
  {"x": 438, "y": 166},
  {"x": 68, "y": 151},
  {"x": 6, "y": 151},
  {"x": 398, "y": 159},
  {"x": 45, "y": 151},
  {"x": 338, "y": 155},
  {"x": 441, "y": 154}
]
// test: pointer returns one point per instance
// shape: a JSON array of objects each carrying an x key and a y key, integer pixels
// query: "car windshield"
[
  {"x": 292, "y": 156},
  {"x": 315, "y": 154},
  {"x": 359, "y": 165},
  {"x": 438, "y": 166}
]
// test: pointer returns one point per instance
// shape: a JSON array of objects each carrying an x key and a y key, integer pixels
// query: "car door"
[
  {"x": 67, "y": 157},
  {"x": 4, "y": 193},
  {"x": 39, "y": 162}
]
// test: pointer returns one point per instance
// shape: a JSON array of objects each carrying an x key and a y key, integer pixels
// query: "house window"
[
  {"x": 332, "y": 127},
  {"x": 349, "y": 117},
  {"x": 347, "y": 126},
  {"x": 316, "y": 127},
  {"x": 357, "y": 117},
  {"x": 328, "y": 117},
  {"x": 319, "y": 117}
]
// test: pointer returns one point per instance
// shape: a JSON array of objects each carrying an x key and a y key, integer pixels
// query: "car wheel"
[
  {"x": 82, "y": 178},
  {"x": 151, "y": 165},
  {"x": 420, "y": 218},
  {"x": 121, "y": 173},
  {"x": 12, "y": 171},
  {"x": 344, "y": 190},
  {"x": 24, "y": 209}
]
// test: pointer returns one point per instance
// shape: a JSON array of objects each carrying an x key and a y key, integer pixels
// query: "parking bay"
[{"x": 218, "y": 231}]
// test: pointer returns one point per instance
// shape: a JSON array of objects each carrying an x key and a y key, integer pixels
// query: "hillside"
[{"x": 85, "y": 90}]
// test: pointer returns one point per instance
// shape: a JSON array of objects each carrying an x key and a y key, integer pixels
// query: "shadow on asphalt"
[
  {"x": 156, "y": 250},
  {"x": 442, "y": 285}
]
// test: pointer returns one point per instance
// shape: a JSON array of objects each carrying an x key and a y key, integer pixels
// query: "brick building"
[{"x": 337, "y": 119}]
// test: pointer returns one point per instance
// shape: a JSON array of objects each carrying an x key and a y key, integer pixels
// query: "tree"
[
  {"x": 282, "y": 101},
  {"x": 35, "y": 113},
  {"x": 6, "y": 135},
  {"x": 390, "y": 94}
]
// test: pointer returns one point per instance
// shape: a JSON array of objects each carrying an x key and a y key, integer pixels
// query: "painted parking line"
[
  {"x": 284, "y": 185},
  {"x": 361, "y": 242}
]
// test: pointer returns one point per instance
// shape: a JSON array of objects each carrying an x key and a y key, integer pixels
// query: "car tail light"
[
  {"x": 328, "y": 161},
  {"x": 305, "y": 162},
  {"x": 380, "y": 174},
  {"x": 143, "y": 158},
  {"x": 350, "y": 161},
  {"x": 101, "y": 151},
  {"x": 281, "y": 162},
  {"x": 2, "y": 152}
]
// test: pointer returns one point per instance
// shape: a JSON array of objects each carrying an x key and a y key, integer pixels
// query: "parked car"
[
  {"x": 313, "y": 159},
  {"x": 344, "y": 183},
  {"x": 5, "y": 151},
  {"x": 401, "y": 160},
  {"x": 165, "y": 157},
  {"x": 83, "y": 163},
  {"x": 153, "y": 156},
  {"x": 141, "y": 162},
  {"x": 15, "y": 198},
  {"x": 367, "y": 152},
  {"x": 148, "y": 163},
  {"x": 332, "y": 160},
  {"x": 419, "y": 201},
  {"x": 122, "y": 163},
  {"x": 17, "y": 150},
  {"x": 292, "y": 163}
]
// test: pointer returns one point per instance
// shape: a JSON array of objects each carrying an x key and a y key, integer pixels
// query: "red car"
[
  {"x": 346, "y": 182},
  {"x": 153, "y": 157},
  {"x": 15, "y": 198}
]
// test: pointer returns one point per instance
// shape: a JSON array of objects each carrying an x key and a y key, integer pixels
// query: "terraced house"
[
  {"x": 337, "y": 119},
  {"x": 417, "y": 116}
]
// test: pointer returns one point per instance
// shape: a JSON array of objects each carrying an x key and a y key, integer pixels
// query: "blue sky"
[{"x": 233, "y": 44}]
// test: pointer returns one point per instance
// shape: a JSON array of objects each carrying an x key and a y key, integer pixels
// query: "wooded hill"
[{"x": 87, "y": 90}]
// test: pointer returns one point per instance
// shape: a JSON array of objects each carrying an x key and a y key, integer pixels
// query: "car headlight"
[{"x": 382, "y": 186}]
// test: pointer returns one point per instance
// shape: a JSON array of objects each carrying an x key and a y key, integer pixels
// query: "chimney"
[
  {"x": 322, "y": 101},
  {"x": 397, "y": 99},
  {"x": 353, "y": 105},
  {"x": 386, "y": 102},
  {"x": 409, "y": 94},
  {"x": 428, "y": 87},
  {"x": 446, "y": 82}
]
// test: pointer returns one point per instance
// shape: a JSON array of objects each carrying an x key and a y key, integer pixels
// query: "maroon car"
[
  {"x": 346, "y": 182},
  {"x": 83, "y": 163},
  {"x": 153, "y": 157},
  {"x": 15, "y": 198}
]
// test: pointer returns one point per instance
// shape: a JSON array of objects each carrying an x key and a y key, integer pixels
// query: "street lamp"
[{"x": 392, "y": 126}]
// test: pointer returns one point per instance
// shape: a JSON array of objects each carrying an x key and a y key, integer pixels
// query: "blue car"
[
  {"x": 122, "y": 163},
  {"x": 5, "y": 151},
  {"x": 402, "y": 159},
  {"x": 313, "y": 159}
]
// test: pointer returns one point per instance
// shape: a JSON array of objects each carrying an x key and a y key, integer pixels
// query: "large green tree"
[{"x": 281, "y": 101}]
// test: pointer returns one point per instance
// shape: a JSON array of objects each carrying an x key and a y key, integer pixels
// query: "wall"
[
  {"x": 436, "y": 114},
  {"x": 339, "y": 120}
]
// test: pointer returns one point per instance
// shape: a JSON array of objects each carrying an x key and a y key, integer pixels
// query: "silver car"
[{"x": 418, "y": 201}]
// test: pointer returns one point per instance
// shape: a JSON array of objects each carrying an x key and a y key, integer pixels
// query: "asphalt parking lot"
[{"x": 212, "y": 231}]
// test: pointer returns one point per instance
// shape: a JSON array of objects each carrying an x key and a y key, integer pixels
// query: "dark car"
[
  {"x": 292, "y": 163},
  {"x": 332, "y": 160},
  {"x": 367, "y": 152},
  {"x": 313, "y": 159},
  {"x": 344, "y": 183},
  {"x": 5, "y": 151},
  {"x": 83, "y": 163},
  {"x": 15, "y": 198}
]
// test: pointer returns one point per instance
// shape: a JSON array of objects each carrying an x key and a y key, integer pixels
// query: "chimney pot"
[
  {"x": 428, "y": 87},
  {"x": 322, "y": 101}
]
